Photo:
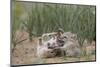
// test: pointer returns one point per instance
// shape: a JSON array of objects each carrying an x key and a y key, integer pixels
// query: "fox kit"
[
  {"x": 43, "y": 50},
  {"x": 69, "y": 44}
]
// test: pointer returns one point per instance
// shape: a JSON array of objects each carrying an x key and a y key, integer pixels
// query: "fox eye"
[
  {"x": 48, "y": 44},
  {"x": 65, "y": 37}
]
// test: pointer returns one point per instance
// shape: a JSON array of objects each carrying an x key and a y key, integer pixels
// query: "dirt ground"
[{"x": 25, "y": 53}]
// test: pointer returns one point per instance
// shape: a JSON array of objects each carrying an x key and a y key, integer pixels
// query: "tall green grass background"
[{"x": 39, "y": 18}]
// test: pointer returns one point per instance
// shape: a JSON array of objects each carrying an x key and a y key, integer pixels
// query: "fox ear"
[
  {"x": 40, "y": 41},
  {"x": 75, "y": 36}
]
